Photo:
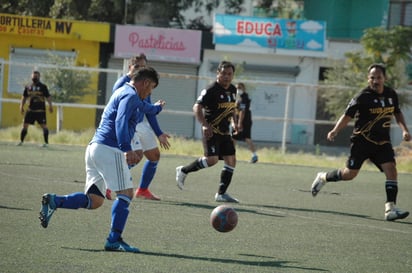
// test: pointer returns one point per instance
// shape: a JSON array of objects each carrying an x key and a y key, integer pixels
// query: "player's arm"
[
  {"x": 400, "y": 119},
  {"x": 49, "y": 101},
  {"x": 22, "y": 103},
  {"x": 340, "y": 124},
  {"x": 200, "y": 116}
]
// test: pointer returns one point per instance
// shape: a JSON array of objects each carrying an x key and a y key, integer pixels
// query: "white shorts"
[
  {"x": 144, "y": 138},
  {"x": 106, "y": 167}
]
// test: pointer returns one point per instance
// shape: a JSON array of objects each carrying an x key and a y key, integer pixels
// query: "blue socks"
[
  {"x": 148, "y": 172},
  {"x": 120, "y": 212},
  {"x": 75, "y": 200}
]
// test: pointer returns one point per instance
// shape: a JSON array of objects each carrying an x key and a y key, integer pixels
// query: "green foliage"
[
  {"x": 66, "y": 84},
  {"x": 346, "y": 78}
]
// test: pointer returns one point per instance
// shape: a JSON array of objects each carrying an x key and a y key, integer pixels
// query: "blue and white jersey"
[
  {"x": 120, "y": 117},
  {"x": 150, "y": 117}
]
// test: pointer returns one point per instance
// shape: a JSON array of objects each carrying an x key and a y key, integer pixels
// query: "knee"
[
  {"x": 95, "y": 201},
  {"x": 152, "y": 155}
]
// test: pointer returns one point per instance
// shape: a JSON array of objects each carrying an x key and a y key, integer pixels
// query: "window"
[
  {"x": 400, "y": 13},
  {"x": 24, "y": 60}
]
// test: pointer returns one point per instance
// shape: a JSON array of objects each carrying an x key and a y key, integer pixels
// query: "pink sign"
[{"x": 158, "y": 44}]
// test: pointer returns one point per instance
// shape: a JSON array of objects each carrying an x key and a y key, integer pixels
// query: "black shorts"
[
  {"x": 377, "y": 154},
  {"x": 219, "y": 145},
  {"x": 245, "y": 133},
  {"x": 30, "y": 117}
]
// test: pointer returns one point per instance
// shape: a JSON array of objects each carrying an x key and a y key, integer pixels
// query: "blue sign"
[{"x": 269, "y": 32}]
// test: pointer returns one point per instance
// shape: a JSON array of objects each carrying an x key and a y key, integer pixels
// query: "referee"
[{"x": 37, "y": 93}]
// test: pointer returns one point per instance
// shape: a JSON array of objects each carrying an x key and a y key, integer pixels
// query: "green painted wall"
[{"x": 347, "y": 19}]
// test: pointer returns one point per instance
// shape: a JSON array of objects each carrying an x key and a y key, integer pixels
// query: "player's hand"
[
  {"x": 207, "y": 131},
  {"x": 162, "y": 103},
  {"x": 406, "y": 136},
  {"x": 164, "y": 142},
  {"x": 22, "y": 110},
  {"x": 51, "y": 109},
  {"x": 240, "y": 127},
  {"x": 132, "y": 158},
  {"x": 331, "y": 135}
]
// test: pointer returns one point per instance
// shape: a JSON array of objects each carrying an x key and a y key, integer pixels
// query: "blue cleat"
[
  {"x": 254, "y": 159},
  {"x": 48, "y": 207},
  {"x": 120, "y": 246}
]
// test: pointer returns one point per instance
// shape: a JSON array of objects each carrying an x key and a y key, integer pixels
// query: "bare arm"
[
  {"x": 22, "y": 103},
  {"x": 206, "y": 129},
  {"x": 49, "y": 101},
  {"x": 340, "y": 124},
  {"x": 400, "y": 119}
]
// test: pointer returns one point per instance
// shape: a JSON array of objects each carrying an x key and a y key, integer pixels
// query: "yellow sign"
[{"x": 53, "y": 28}]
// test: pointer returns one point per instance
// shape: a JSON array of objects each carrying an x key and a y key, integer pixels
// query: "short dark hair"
[
  {"x": 135, "y": 60},
  {"x": 146, "y": 73},
  {"x": 379, "y": 66},
  {"x": 225, "y": 64}
]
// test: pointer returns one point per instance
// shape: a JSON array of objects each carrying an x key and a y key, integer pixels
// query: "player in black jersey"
[
  {"x": 372, "y": 109},
  {"x": 214, "y": 110},
  {"x": 244, "y": 120},
  {"x": 37, "y": 93}
]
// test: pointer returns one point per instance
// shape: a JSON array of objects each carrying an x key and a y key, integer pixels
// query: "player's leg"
[
  {"x": 91, "y": 199},
  {"x": 247, "y": 134},
  {"x": 211, "y": 158},
  {"x": 358, "y": 154},
  {"x": 41, "y": 119},
  {"x": 111, "y": 164},
  {"x": 152, "y": 153},
  {"x": 385, "y": 160},
  {"x": 28, "y": 119},
  {"x": 228, "y": 153}
]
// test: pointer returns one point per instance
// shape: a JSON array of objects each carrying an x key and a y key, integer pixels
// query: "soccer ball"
[{"x": 223, "y": 218}]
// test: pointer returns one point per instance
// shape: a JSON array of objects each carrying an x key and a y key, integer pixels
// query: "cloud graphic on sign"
[
  {"x": 313, "y": 45},
  {"x": 248, "y": 42},
  {"x": 219, "y": 29},
  {"x": 311, "y": 26}
]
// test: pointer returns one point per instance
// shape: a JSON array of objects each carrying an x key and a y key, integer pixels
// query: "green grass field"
[{"x": 281, "y": 227}]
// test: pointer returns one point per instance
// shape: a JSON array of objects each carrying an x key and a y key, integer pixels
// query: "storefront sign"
[
  {"x": 53, "y": 28},
  {"x": 160, "y": 44},
  {"x": 269, "y": 32}
]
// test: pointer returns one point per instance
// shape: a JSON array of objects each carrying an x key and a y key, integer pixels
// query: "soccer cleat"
[
  {"x": 48, "y": 207},
  {"x": 146, "y": 194},
  {"x": 120, "y": 246},
  {"x": 392, "y": 213},
  {"x": 254, "y": 159},
  {"x": 109, "y": 194},
  {"x": 19, "y": 144},
  {"x": 318, "y": 183},
  {"x": 180, "y": 177},
  {"x": 225, "y": 198},
  {"x": 45, "y": 145}
]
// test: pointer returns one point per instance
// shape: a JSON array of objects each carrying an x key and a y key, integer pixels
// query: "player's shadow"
[
  {"x": 12, "y": 208},
  {"x": 211, "y": 207},
  {"x": 270, "y": 262}
]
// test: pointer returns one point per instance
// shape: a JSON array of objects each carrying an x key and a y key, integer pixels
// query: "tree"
[
  {"x": 391, "y": 47},
  {"x": 66, "y": 84}
]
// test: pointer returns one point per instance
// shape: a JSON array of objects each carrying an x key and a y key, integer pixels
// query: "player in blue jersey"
[
  {"x": 214, "y": 109},
  {"x": 108, "y": 157},
  {"x": 145, "y": 139},
  {"x": 373, "y": 109}
]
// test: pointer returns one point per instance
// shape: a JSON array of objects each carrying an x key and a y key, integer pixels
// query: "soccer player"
[
  {"x": 145, "y": 139},
  {"x": 108, "y": 157},
  {"x": 372, "y": 109},
  {"x": 214, "y": 109},
  {"x": 244, "y": 120},
  {"x": 37, "y": 93}
]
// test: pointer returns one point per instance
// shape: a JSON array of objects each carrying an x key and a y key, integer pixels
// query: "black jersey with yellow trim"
[
  {"x": 219, "y": 105},
  {"x": 373, "y": 114},
  {"x": 37, "y": 94}
]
